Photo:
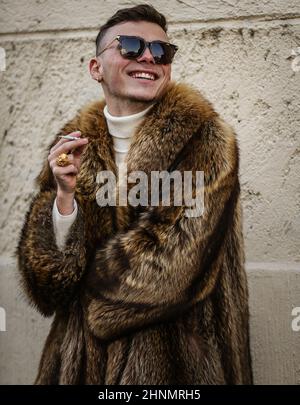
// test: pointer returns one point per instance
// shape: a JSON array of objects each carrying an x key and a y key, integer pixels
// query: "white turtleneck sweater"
[{"x": 122, "y": 130}]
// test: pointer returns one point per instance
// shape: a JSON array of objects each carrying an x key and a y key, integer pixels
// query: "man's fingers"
[
  {"x": 62, "y": 140},
  {"x": 77, "y": 134},
  {"x": 67, "y": 147},
  {"x": 78, "y": 151},
  {"x": 59, "y": 171},
  {"x": 73, "y": 158}
]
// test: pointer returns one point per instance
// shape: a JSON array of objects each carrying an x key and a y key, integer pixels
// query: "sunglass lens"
[
  {"x": 131, "y": 48},
  {"x": 158, "y": 52},
  {"x": 162, "y": 53}
]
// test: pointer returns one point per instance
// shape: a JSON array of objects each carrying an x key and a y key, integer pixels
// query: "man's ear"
[{"x": 96, "y": 69}]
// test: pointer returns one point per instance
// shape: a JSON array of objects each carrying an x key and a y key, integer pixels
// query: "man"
[{"x": 141, "y": 294}]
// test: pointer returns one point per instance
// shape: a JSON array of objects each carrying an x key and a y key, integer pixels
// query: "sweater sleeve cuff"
[{"x": 62, "y": 224}]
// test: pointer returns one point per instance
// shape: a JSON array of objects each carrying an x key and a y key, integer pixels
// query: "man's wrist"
[{"x": 65, "y": 202}]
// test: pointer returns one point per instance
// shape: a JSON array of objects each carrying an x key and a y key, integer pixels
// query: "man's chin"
[
  {"x": 141, "y": 99},
  {"x": 144, "y": 96}
]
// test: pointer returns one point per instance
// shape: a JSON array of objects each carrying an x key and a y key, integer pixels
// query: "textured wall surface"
[{"x": 239, "y": 54}]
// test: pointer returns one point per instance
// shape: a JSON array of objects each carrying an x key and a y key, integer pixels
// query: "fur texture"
[{"x": 144, "y": 295}]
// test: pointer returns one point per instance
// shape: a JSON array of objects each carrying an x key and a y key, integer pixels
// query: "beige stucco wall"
[{"x": 239, "y": 53}]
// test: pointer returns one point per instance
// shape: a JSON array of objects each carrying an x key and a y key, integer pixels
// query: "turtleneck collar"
[
  {"x": 123, "y": 127},
  {"x": 122, "y": 130}
]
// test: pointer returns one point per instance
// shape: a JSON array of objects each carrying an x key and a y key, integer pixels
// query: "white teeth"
[{"x": 143, "y": 75}]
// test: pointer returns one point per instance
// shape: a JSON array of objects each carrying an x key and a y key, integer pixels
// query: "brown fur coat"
[{"x": 144, "y": 295}]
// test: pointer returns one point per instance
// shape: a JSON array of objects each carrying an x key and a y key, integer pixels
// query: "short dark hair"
[{"x": 142, "y": 12}]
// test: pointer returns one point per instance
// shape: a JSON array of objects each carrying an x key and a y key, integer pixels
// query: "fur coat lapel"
[{"x": 166, "y": 129}]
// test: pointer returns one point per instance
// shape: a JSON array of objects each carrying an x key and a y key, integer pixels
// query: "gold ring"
[{"x": 62, "y": 160}]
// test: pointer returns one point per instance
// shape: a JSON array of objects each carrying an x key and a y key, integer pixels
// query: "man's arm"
[
  {"x": 50, "y": 276},
  {"x": 166, "y": 262}
]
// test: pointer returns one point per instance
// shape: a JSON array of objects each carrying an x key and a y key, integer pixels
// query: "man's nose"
[{"x": 146, "y": 56}]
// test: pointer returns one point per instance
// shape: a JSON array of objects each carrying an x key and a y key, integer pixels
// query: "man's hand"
[{"x": 66, "y": 176}]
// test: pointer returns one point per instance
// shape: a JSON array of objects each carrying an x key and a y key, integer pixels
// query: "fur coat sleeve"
[
  {"x": 166, "y": 262},
  {"x": 49, "y": 276}
]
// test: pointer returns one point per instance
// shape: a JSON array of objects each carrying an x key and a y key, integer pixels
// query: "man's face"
[{"x": 117, "y": 72}]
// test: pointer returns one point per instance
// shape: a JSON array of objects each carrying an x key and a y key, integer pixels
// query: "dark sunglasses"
[{"x": 132, "y": 47}]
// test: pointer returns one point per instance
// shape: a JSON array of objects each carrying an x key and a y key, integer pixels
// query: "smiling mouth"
[{"x": 144, "y": 76}]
